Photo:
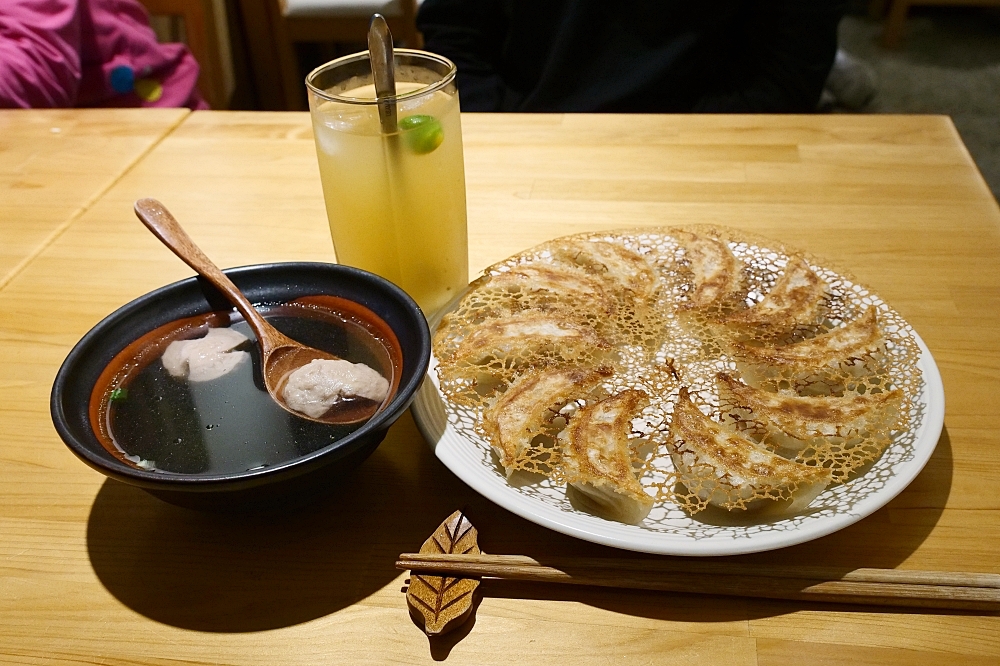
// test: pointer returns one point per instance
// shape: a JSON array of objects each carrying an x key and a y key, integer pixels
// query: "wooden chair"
[
  {"x": 201, "y": 36},
  {"x": 273, "y": 27}
]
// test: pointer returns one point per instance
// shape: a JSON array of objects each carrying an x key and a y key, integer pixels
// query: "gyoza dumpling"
[
  {"x": 597, "y": 460},
  {"x": 609, "y": 261},
  {"x": 796, "y": 420},
  {"x": 794, "y": 300},
  {"x": 529, "y": 333},
  {"x": 529, "y": 404},
  {"x": 569, "y": 286},
  {"x": 853, "y": 340},
  {"x": 716, "y": 273},
  {"x": 728, "y": 470}
]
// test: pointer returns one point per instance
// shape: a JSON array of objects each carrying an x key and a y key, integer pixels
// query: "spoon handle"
[
  {"x": 383, "y": 71},
  {"x": 165, "y": 227}
]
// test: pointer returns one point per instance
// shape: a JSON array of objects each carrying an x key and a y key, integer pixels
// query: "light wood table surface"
[
  {"x": 54, "y": 164},
  {"x": 92, "y": 571}
]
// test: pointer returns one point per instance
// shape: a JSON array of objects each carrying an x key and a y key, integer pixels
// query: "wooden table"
[
  {"x": 92, "y": 571},
  {"x": 55, "y": 164}
]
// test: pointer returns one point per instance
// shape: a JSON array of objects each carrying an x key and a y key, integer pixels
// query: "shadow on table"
[
  {"x": 883, "y": 540},
  {"x": 235, "y": 574},
  {"x": 889, "y": 536},
  {"x": 232, "y": 573}
]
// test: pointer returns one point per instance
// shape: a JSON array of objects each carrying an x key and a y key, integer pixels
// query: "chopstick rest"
[
  {"x": 441, "y": 603},
  {"x": 875, "y": 587}
]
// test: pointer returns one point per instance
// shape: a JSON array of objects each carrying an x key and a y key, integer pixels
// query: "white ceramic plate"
[{"x": 668, "y": 530}]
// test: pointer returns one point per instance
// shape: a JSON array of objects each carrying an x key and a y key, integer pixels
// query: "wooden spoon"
[{"x": 280, "y": 354}]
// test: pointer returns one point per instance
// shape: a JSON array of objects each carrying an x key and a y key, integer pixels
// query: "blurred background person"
[
  {"x": 678, "y": 56},
  {"x": 81, "y": 53}
]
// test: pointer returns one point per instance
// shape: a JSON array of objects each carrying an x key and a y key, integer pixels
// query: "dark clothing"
[{"x": 716, "y": 56}]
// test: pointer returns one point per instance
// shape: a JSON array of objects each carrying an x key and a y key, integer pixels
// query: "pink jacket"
[{"x": 62, "y": 53}]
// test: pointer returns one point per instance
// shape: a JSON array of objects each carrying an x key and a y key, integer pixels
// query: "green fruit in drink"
[{"x": 422, "y": 133}]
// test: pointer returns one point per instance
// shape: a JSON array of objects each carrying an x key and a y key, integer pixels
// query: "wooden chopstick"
[{"x": 881, "y": 587}]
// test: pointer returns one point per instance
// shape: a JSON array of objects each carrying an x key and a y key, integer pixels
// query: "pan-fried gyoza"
[
  {"x": 538, "y": 283},
  {"x": 582, "y": 360},
  {"x": 528, "y": 405},
  {"x": 715, "y": 272},
  {"x": 610, "y": 261},
  {"x": 850, "y": 341},
  {"x": 793, "y": 301},
  {"x": 524, "y": 334},
  {"x": 728, "y": 470},
  {"x": 597, "y": 457},
  {"x": 803, "y": 418}
]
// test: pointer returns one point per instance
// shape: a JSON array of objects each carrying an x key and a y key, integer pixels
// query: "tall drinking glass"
[{"x": 395, "y": 201}]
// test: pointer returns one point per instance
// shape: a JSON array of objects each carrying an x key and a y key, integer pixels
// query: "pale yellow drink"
[{"x": 396, "y": 201}]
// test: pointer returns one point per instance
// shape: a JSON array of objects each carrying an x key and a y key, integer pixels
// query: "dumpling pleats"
[
  {"x": 728, "y": 470},
  {"x": 597, "y": 458},
  {"x": 529, "y": 404}
]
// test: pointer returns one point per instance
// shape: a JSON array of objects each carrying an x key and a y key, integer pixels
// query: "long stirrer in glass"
[{"x": 382, "y": 58}]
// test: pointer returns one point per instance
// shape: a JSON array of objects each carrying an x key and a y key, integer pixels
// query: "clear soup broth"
[{"x": 230, "y": 424}]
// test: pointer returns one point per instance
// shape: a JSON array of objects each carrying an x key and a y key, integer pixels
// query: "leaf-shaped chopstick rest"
[{"x": 442, "y": 603}]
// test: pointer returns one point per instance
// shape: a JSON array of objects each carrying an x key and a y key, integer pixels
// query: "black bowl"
[{"x": 287, "y": 484}]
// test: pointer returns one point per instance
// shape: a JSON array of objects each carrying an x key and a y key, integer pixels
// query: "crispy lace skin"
[{"x": 632, "y": 306}]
